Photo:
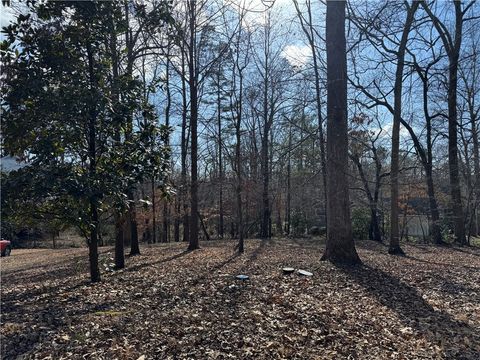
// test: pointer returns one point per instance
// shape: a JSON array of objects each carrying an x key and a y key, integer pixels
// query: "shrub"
[{"x": 360, "y": 223}]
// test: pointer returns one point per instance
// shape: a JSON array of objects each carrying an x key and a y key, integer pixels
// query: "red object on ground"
[{"x": 5, "y": 247}]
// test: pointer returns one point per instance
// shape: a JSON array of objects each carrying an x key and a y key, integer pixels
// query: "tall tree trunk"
[
  {"x": 92, "y": 157},
  {"x": 265, "y": 209},
  {"x": 239, "y": 180},
  {"x": 184, "y": 146},
  {"x": 166, "y": 208},
  {"x": 476, "y": 165},
  {"x": 93, "y": 242},
  {"x": 238, "y": 147},
  {"x": 131, "y": 222},
  {"x": 220, "y": 159},
  {"x": 192, "y": 82},
  {"x": 340, "y": 247},
  {"x": 265, "y": 224},
  {"x": 435, "y": 232},
  {"x": 289, "y": 190},
  {"x": 452, "y": 46},
  {"x": 394, "y": 247},
  {"x": 119, "y": 217},
  {"x": 457, "y": 207},
  {"x": 265, "y": 221}
]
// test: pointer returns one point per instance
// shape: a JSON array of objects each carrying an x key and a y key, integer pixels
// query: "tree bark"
[
  {"x": 154, "y": 212},
  {"x": 119, "y": 246},
  {"x": 265, "y": 224},
  {"x": 394, "y": 247},
  {"x": 452, "y": 46},
  {"x": 435, "y": 232},
  {"x": 289, "y": 190},
  {"x": 457, "y": 207},
  {"x": 92, "y": 157},
  {"x": 192, "y": 81},
  {"x": 166, "y": 209},
  {"x": 220, "y": 159},
  {"x": 239, "y": 179},
  {"x": 119, "y": 217},
  {"x": 340, "y": 247},
  {"x": 132, "y": 217},
  {"x": 184, "y": 145}
]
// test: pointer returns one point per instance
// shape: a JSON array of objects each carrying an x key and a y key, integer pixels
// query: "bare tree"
[
  {"x": 452, "y": 42},
  {"x": 311, "y": 35}
]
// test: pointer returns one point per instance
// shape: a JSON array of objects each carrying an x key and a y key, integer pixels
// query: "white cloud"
[
  {"x": 297, "y": 55},
  {"x": 255, "y": 9}
]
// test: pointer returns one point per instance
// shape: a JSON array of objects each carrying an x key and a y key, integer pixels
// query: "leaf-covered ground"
[{"x": 169, "y": 303}]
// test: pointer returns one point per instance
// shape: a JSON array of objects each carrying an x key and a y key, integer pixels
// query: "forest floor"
[{"x": 173, "y": 304}]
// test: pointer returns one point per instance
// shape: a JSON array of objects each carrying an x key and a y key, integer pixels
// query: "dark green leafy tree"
[{"x": 60, "y": 114}]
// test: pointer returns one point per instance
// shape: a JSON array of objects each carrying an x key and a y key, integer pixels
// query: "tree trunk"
[
  {"x": 220, "y": 159},
  {"x": 176, "y": 224},
  {"x": 374, "y": 231},
  {"x": 452, "y": 46},
  {"x": 119, "y": 217},
  {"x": 238, "y": 150},
  {"x": 131, "y": 226},
  {"x": 184, "y": 145},
  {"x": 166, "y": 209},
  {"x": 204, "y": 228},
  {"x": 92, "y": 170},
  {"x": 93, "y": 242},
  {"x": 192, "y": 81},
  {"x": 239, "y": 183},
  {"x": 265, "y": 224},
  {"x": 435, "y": 231},
  {"x": 289, "y": 190},
  {"x": 132, "y": 218},
  {"x": 154, "y": 212},
  {"x": 119, "y": 245},
  {"x": 458, "y": 217},
  {"x": 394, "y": 247},
  {"x": 476, "y": 164},
  {"x": 340, "y": 247}
]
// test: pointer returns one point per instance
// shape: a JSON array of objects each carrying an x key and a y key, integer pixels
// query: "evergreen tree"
[{"x": 61, "y": 115}]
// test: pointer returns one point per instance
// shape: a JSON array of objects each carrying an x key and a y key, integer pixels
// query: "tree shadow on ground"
[
  {"x": 475, "y": 252},
  {"x": 161, "y": 261},
  {"x": 371, "y": 245},
  {"x": 443, "y": 264},
  {"x": 259, "y": 250},
  {"x": 27, "y": 327},
  {"x": 459, "y": 340},
  {"x": 212, "y": 270}
]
